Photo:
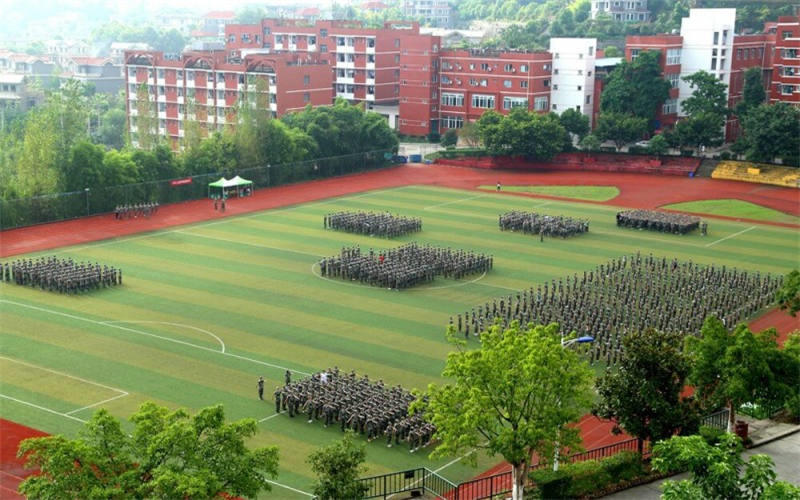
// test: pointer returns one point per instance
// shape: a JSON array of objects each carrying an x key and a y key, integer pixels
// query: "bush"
[
  {"x": 687, "y": 152},
  {"x": 725, "y": 155},
  {"x": 637, "y": 150},
  {"x": 450, "y": 138},
  {"x": 711, "y": 434},
  {"x": 434, "y": 137},
  {"x": 591, "y": 476}
]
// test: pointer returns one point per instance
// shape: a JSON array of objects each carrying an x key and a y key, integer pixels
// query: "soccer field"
[{"x": 205, "y": 309}]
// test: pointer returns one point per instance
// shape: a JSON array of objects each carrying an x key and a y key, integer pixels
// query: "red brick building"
[
  {"x": 206, "y": 86},
  {"x": 669, "y": 48},
  {"x": 785, "y": 84}
]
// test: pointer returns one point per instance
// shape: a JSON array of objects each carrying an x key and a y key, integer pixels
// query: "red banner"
[{"x": 181, "y": 182}]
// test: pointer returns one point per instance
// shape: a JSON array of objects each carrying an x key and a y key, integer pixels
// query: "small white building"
[
  {"x": 707, "y": 46},
  {"x": 572, "y": 82}
]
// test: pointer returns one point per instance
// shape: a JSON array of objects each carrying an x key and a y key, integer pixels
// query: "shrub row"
[{"x": 582, "y": 479}]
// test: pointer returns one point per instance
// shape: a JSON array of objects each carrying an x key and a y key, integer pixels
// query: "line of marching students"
[
  {"x": 60, "y": 275},
  {"x": 135, "y": 210}
]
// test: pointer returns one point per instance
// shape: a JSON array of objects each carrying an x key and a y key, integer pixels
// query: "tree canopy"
[
  {"x": 620, "y": 128},
  {"x": 636, "y": 88},
  {"x": 338, "y": 467},
  {"x": 170, "y": 454},
  {"x": 643, "y": 393},
  {"x": 512, "y": 396},
  {"x": 789, "y": 294},
  {"x": 718, "y": 471},
  {"x": 522, "y": 133},
  {"x": 772, "y": 131},
  {"x": 734, "y": 367}
]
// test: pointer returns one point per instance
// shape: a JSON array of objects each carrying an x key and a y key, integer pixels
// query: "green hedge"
[
  {"x": 584, "y": 478},
  {"x": 457, "y": 153}
]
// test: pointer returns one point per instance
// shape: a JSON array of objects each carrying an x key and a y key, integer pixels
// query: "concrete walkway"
[{"x": 785, "y": 452}]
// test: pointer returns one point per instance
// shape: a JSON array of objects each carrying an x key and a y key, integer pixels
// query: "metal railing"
[
  {"x": 717, "y": 419},
  {"x": 97, "y": 200},
  {"x": 422, "y": 480}
]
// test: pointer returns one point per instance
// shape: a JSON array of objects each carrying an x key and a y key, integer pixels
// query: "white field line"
[
  {"x": 290, "y": 488},
  {"x": 455, "y": 460},
  {"x": 731, "y": 236},
  {"x": 259, "y": 245},
  {"x": 123, "y": 239},
  {"x": 270, "y": 417},
  {"x": 221, "y": 343},
  {"x": 62, "y": 373},
  {"x": 148, "y": 334},
  {"x": 97, "y": 404},
  {"x": 38, "y": 407},
  {"x": 431, "y": 207}
]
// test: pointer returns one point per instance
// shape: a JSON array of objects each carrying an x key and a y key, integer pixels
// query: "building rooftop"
[{"x": 220, "y": 14}]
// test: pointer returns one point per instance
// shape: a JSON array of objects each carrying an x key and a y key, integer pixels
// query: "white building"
[
  {"x": 707, "y": 46},
  {"x": 572, "y": 83},
  {"x": 622, "y": 10}
]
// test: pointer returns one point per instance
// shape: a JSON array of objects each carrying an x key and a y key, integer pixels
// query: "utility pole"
[{"x": 86, "y": 190}]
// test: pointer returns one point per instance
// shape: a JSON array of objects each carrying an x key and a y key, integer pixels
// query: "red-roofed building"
[{"x": 310, "y": 14}]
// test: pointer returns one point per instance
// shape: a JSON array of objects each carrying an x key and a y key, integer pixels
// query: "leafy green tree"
[
  {"x": 731, "y": 368},
  {"x": 469, "y": 134},
  {"x": 216, "y": 153},
  {"x": 159, "y": 163},
  {"x": 449, "y": 138},
  {"x": 523, "y": 133},
  {"x": 146, "y": 122},
  {"x": 113, "y": 127},
  {"x": 85, "y": 167},
  {"x": 620, "y": 128},
  {"x": 613, "y": 51},
  {"x": 772, "y": 131},
  {"x": 636, "y": 88},
  {"x": 789, "y": 294},
  {"x": 658, "y": 145},
  {"x": 590, "y": 143},
  {"x": 753, "y": 93},
  {"x": 338, "y": 467},
  {"x": 170, "y": 454},
  {"x": 708, "y": 97},
  {"x": 643, "y": 394},
  {"x": 718, "y": 471},
  {"x": 703, "y": 129},
  {"x": 575, "y": 122},
  {"x": 513, "y": 396}
]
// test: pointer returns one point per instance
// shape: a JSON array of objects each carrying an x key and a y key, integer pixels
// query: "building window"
[
  {"x": 540, "y": 103},
  {"x": 340, "y": 41},
  {"x": 160, "y": 73},
  {"x": 162, "y": 107},
  {"x": 509, "y": 68},
  {"x": 523, "y": 68},
  {"x": 787, "y": 89},
  {"x": 396, "y": 42},
  {"x": 267, "y": 30},
  {"x": 323, "y": 48},
  {"x": 588, "y": 73},
  {"x": 485, "y": 67},
  {"x": 716, "y": 38},
  {"x": 580, "y": 87},
  {"x": 306, "y": 97},
  {"x": 635, "y": 53},
  {"x": 673, "y": 56},
  {"x": 396, "y": 59},
  {"x": 278, "y": 38},
  {"x": 473, "y": 82},
  {"x": 724, "y": 37},
  {"x": 555, "y": 86},
  {"x": 306, "y": 79},
  {"x": 312, "y": 40},
  {"x": 446, "y": 80},
  {"x": 545, "y": 82},
  {"x": 786, "y": 34},
  {"x": 555, "y": 107},
  {"x": 323, "y": 32},
  {"x": 714, "y": 63},
  {"x": 588, "y": 99},
  {"x": 670, "y": 107},
  {"x": 452, "y": 121},
  {"x": 674, "y": 80},
  {"x": 515, "y": 102},
  {"x": 483, "y": 101},
  {"x": 232, "y": 39},
  {"x": 546, "y": 67},
  {"x": 738, "y": 54},
  {"x": 293, "y": 40},
  {"x": 507, "y": 84},
  {"x": 449, "y": 99}
]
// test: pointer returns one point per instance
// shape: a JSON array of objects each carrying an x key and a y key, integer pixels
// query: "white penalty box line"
[{"x": 120, "y": 393}]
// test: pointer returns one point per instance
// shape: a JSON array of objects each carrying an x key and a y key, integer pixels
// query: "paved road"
[{"x": 784, "y": 452}]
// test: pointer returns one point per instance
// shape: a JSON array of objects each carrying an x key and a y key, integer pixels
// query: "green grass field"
[
  {"x": 734, "y": 208},
  {"x": 247, "y": 286},
  {"x": 592, "y": 193}
]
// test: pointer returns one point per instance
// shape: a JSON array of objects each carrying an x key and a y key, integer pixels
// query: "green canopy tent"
[{"x": 224, "y": 188}]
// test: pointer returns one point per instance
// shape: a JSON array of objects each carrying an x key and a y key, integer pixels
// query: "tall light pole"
[
  {"x": 564, "y": 344},
  {"x": 86, "y": 190}
]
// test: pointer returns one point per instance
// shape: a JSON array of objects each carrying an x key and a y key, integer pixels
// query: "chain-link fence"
[{"x": 97, "y": 200}]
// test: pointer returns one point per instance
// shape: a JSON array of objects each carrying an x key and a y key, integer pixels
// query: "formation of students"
[
  {"x": 665, "y": 222},
  {"x": 629, "y": 294},
  {"x": 405, "y": 266},
  {"x": 136, "y": 210},
  {"x": 544, "y": 225},
  {"x": 356, "y": 403},
  {"x": 373, "y": 224},
  {"x": 60, "y": 275}
]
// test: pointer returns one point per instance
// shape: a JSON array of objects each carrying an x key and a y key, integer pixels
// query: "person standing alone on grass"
[
  {"x": 261, "y": 388},
  {"x": 288, "y": 377},
  {"x": 498, "y": 185}
]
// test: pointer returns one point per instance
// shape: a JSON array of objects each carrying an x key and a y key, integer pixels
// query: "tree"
[
  {"x": 733, "y": 368},
  {"x": 113, "y": 128},
  {"x": 718, "y": 471},
  {"x": 450, "y": 138},
  {"x": 788, "y": 296},
  {"x": 658, "y": 145},
  {"x": 620, "y": 128},
  {"x": 146, "y": 134},
  {"x": 612, "y": 51},
  {"x": 636, "y": 88},
  {"x": 575, "y": 122},
  {"x": 772, "y": 131},
  {"x": 707, "y": 99},
  {"x": 337, "y": 467},
  {"x": 703, "y": 129},
  {"x": 84, "y": 167},
  {"x": 522, "y": 133},
  {"x": 643, "y": 393},
  {"x": 590, "y": 143},
  {"x": 753, "y": 94},
  {"x": 170, "y": 454},
  {"x": 469, "y": 134},
  {"x": 513, "y": 396}
]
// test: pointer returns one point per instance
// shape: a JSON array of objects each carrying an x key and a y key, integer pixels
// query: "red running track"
[
  {"x": 636, "y": 191},
  {"x": 12, "y": 471}
]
